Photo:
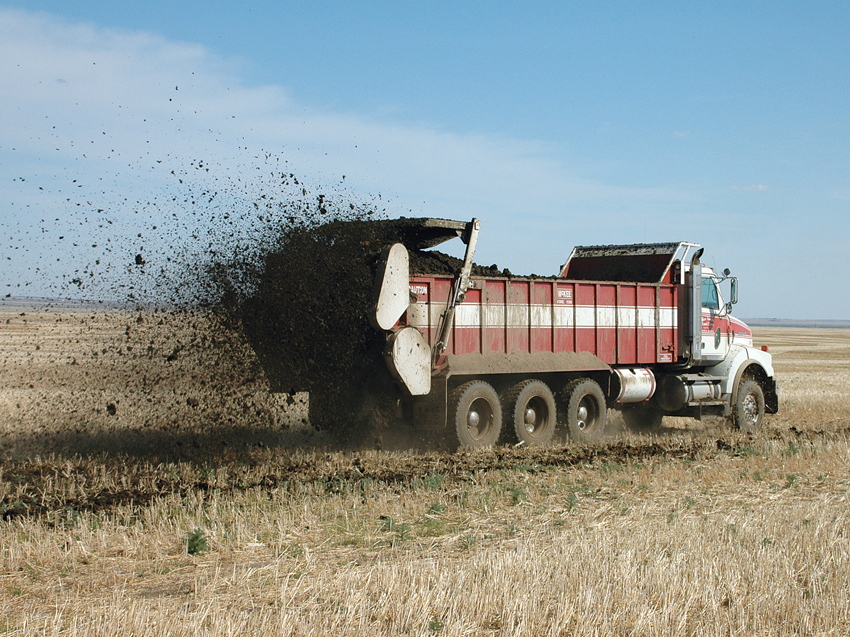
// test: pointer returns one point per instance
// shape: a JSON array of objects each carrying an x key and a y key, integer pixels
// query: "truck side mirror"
[{"x": 734, "y": 290}]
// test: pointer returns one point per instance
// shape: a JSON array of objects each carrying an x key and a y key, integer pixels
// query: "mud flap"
[
  {"x": 771, "y": 396},
  {"x": 429, "y": 412}
]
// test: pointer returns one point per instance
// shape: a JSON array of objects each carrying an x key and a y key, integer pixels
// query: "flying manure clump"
[
  {"x": 308, "y": 317},
  {"x": 264, "y": 264},
  {"x": 307, "y": 321}
]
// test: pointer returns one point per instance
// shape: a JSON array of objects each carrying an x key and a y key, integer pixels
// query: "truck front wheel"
[
  {"x": 531, "y": 408},
  {"x": 475, "y": 411},
  {"x": 748, "y": 414},
  {"x": 586, "y": 412}
]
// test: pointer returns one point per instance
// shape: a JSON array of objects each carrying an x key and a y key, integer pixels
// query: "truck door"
[{"x": 716, "y": 337}]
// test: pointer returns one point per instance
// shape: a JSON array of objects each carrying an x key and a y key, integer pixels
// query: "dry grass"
[
  {"x": 813, "y": 367},
  {"x": 707, "y": 532}
]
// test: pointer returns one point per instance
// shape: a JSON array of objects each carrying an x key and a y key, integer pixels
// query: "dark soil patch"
[{"x": 47, "y": 487}]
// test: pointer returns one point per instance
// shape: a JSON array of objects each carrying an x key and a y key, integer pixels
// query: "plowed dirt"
[{"x": 41, "y": 487}]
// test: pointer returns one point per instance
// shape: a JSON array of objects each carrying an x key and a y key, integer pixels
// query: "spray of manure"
[{"x": 247, "y": 293}]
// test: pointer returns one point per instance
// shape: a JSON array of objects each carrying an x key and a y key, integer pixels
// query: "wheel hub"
[
  {"x": 473, "y": 419},
  {"x": 582, "y": 416},
  {"x": 530, "y": 419},
  {"x": 751, "y": 409}
]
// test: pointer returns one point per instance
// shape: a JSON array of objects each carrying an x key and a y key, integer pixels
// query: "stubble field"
[{"x": 150, "y": 484}]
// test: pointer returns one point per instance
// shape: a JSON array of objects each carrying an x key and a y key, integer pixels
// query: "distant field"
[
  {"x": 826, "y": 324},
  {"x": 209, "y": 509}
]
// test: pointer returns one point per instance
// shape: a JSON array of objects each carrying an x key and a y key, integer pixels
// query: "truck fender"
[
  {"x": 745, "y": 361},
  {"x": 758, "y": 373}
]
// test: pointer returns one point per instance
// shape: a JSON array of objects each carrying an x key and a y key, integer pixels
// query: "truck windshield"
[{"x": 710, "y": 299}]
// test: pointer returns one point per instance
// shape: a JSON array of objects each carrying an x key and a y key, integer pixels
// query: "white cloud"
[
  {"x": 104, "y": 107},
  {"x": 132, "y": 95},
  {"x": 753, "y": 188},
  {"x": 679, "y": 133}
]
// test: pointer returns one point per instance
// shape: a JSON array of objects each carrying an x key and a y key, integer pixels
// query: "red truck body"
[
  {"x": 641, "y": 328},
  {"x": 620, "y": 323}
]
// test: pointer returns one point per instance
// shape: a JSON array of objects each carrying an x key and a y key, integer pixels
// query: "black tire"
[
  {"x": 643, "y": 418},
  {"x": 530, "y": 409},
  {"x": 475, "y": 414},
  {"x": 586, "y": 412},
  {"x": 748, "y": 412}
]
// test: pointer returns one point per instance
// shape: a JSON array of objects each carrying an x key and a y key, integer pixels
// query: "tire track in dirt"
[{"x": 42, "y": 488}]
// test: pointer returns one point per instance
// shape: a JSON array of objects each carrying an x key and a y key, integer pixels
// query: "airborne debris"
[{"x": 271, "y": 262}]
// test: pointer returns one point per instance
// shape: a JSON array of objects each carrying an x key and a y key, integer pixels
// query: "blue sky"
[{"x": 557, "y": 124}]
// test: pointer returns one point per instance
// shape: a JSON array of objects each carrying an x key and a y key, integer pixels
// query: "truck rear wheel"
[
  {"x": 531, "y": 408},
  {"x": 476, "y": 413},
  {"x": 643, "y": 418},
  {"x": 586, "y": 412},
  {"x": 748, "y": 414}
]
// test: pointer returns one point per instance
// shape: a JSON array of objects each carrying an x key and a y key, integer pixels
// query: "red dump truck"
[{"x": 644, "y": 329}]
